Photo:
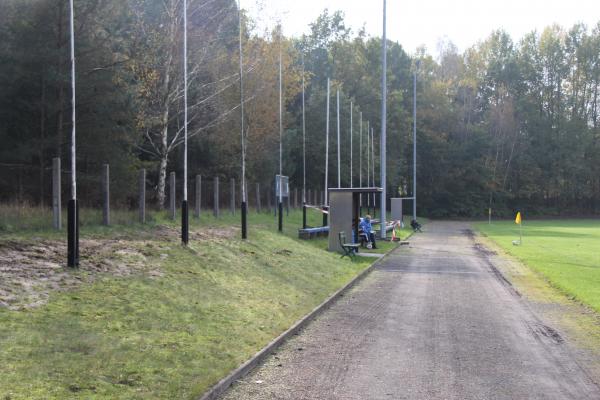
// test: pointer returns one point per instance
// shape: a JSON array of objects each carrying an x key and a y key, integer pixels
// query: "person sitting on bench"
[
  {"x": 415, "y": 226},
  {"x": 365, "y": 225}
]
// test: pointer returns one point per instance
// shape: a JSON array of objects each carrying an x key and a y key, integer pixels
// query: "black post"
[
  {"x": 244, "y": 220},
  {"x": 73, "y": 234},
  {"x": 185, "y": 223},
  {"x": 280, "y": 216},
  {"x": 304, "y": 216},
  {"x": 325, "y": 215}
]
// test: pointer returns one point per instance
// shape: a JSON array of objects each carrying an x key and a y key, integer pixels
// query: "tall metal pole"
[
  {"x": 243, "y": 136},
  {"x": 327, "y": 143},
  {"x": 351, "y": 123},
  {"x": 73, "y": 211},
  {"x": 303, "y": 147},
  {"x": 373, "y": 166},
  {"x": 373, "y": 154},
  {"x": 184, "y": 205},
  {"x": 368, "y": 154},
  {"x": 415, "y": 141},
  {"x": 369, "y": 165},
  {"x": 280, "y": 140},
  {"x": 360, "y": 146},
  {"x": 303, "y": 137},
  {"x": 383, "y": 161},
  {"x": 338, "y": 142}
]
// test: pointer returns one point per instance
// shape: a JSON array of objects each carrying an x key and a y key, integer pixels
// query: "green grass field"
[
  {"x": 170, "y": 335},
  {"x": 565, "y": 252}
]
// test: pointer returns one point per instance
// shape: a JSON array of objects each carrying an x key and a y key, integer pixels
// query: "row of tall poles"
[
  {"x": 370, "y": 137},
  {"x": 73, "y": 208},
  {"x": 370, "y": 142}
]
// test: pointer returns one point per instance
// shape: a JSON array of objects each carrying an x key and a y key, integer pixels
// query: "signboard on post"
[{"x": 285, "y": 185}]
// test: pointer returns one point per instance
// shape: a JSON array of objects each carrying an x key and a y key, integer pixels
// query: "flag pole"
[
  {"x": 73, "y": 212},
  {"x": 339, "y": 181},
  {"x": 184, "y": 205},
  {"x": 280, "y": 136},
  {"x": 519, "y": 221},
  {"x": 244, "y": 204},
  {"x": 327, "y": 143},
  {"x": 383, "y": 139}
]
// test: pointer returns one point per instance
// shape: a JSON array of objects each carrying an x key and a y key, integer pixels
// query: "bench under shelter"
[{"x": 344, "y": 214}]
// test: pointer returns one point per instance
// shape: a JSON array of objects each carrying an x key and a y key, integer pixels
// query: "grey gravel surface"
[{"x": 434, "y": 321}]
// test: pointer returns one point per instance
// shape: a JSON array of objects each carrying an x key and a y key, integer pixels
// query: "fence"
[{"x": 131, "y": 198}]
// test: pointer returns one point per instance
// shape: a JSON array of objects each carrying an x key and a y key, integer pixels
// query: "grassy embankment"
[
  {"x": 565, "y": 252},
  {"x": 166, "y": 335}
]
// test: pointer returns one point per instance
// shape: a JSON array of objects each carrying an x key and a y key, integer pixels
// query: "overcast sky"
[{"x": 425, "y": 22}]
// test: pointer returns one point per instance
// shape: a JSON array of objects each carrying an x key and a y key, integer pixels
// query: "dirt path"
[{"x": 435, "y": 321}]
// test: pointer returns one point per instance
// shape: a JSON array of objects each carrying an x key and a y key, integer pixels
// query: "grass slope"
[
  {"x": 169, "y": 336},
  {"x": 565, "y": 252}
]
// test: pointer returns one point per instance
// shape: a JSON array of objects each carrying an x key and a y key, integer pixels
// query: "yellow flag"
[{"x": 518, "y": 219}]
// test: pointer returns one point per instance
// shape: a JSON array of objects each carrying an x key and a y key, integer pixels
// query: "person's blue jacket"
[{"x": 365, "y": 225}]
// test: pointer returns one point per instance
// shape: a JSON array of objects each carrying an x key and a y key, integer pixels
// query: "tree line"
[{"x": 507, "y": 124}]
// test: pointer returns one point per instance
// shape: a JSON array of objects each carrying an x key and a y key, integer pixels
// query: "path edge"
[{"x": 219, "y": 388}]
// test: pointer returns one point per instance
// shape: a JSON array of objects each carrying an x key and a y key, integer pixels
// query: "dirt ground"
[{"x": 31, "y": 270}]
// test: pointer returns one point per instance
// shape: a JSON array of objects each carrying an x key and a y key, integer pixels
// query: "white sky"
[{"x": 414, "y": 23}]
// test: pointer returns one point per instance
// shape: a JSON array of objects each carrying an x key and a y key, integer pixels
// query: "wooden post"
[
  {"x": 216, "y": 197},
  {"x": 106, "y": 194},
  {"x": 269, "y": 200},
  {"x": 296, "y": 198},
  {"x": 142, "y": 196},
  {"x": 258, "y": 205},
  {"x": 198, "y": 195},
  {"x": 172, "y": 194},
  {"x": 232, "y": 197},
  {"x": 56, "y": 195}
]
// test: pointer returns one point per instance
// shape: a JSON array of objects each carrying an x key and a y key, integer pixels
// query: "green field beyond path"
[{"x": 565, "y": 252}]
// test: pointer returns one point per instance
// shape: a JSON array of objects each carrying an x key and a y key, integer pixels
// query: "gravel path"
[{"x": 434, "y": 321}]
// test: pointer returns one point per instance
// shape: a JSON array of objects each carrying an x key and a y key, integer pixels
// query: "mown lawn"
[
  {"x": 173, "y": 335},
  {"x": 565, "y": 252}
]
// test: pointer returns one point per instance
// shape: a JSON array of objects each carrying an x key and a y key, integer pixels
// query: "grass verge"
[{"x": 172, "y": 334}]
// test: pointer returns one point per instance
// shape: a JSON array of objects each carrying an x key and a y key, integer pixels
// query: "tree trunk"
[
  {"x": 164, "y": 128},
  {"x": 162, "y": 178}
]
